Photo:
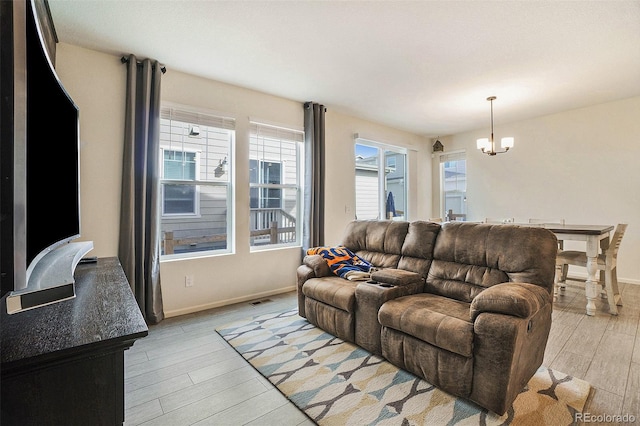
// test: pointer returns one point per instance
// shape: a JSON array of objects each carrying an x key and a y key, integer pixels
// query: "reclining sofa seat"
[
  {"x": 471, "y": 313},
  {"x": 401, "y": 250},
  {"x": 479, "y": 330}
]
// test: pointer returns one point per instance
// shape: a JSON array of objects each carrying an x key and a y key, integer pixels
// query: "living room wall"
[
  {"x": 580, "y": 165},
  {"x": 96, "y": 82}
]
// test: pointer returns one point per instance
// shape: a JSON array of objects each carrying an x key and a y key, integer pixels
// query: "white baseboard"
[{"x": 219, "y": 303}]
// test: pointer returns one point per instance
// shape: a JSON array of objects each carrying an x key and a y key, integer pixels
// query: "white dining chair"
[
  {"x": 607, "y": 262},
  {"x": 436, "y": 219}
]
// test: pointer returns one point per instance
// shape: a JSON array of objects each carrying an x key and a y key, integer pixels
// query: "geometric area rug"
[{"x": 338, "y": 383}]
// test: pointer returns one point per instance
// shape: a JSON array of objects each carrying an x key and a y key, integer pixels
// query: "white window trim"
[
  {"x": 261, "y": 184},
  {"x": 298, "y": 185},
  {"x": 382, "y": 147},
  {"x": 460, "y": 154},
  {"x": 227, "y": 122}
]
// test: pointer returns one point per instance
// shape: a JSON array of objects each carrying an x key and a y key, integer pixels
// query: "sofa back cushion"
[
  {"x": 417, "y": 249},
  {"x": 377, "y": 241},
  {"x": 469, "y": 257}
]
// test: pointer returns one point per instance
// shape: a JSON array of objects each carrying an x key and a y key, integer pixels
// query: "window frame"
[
  {"x": 284, "y": 186},
  {"x": 383, "y": 148},
  {"x": 260, "y": 173},
  {"x": 212, "y": 120},
  {"x": 444, "y": 158}
]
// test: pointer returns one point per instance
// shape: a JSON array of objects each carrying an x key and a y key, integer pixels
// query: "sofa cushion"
[
  {"x": 469, "y": 257},
  {"x": 461, "y": 282},
  {"x": 417, "y": 249},
  {"x": 333, "y": 291},
  {"x": 377, "y": 241},
  {"x": 437, "y": 320}
]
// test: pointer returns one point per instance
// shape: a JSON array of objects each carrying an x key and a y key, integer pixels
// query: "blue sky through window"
[{"x": 366, "y": 151}]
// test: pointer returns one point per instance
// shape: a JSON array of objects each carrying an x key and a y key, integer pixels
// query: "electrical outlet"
[{"x": 188, "y": 280}]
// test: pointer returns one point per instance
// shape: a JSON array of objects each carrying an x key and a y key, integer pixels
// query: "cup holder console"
[{"x": 385, "y": 285}]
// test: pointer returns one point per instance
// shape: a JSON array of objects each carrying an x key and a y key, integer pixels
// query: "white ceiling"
[{"x": 422, "y": 66}]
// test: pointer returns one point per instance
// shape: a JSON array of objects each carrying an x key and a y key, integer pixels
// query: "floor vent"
[{"x": 258, "y": 302}]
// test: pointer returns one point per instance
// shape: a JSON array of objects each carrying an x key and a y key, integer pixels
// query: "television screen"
[{"x": 52, "y": 151}]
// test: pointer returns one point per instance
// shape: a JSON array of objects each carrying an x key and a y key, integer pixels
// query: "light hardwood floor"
[{"x": 184, "y": 373}]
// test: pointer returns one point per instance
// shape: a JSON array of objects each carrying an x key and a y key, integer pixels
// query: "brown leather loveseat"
[{"x": 466, "y": 306}]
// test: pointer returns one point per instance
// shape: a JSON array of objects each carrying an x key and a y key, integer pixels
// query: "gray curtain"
[
  {"x": 139, "y": 247},
  {"x": 314, "y": 147}
]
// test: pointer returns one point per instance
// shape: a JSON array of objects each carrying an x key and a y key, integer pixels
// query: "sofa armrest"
[
  {"x": 517, "y": 299},
  {"x": 507, "y": 351},
  {"x": 318, "y": 264},
  {"x": 397, "y": 277}
]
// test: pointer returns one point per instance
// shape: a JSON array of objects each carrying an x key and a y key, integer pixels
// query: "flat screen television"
[
  {"x": 45, "y": 175},
  {"x": 53, "y": 154}
]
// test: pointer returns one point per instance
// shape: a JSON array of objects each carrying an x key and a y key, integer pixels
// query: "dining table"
[{"x": 596, "y": 238}]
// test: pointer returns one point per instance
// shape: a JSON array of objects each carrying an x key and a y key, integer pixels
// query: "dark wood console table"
[{"x": 63, "y": 364}]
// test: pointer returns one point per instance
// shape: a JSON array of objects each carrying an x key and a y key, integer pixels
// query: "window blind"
[
  {"x": 171, "y": 113},
  {"x": 452, "y": 156},
  {"x": 275, "y": 132}
]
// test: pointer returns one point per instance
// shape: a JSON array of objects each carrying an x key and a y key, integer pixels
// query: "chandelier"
[{"x": 488, "y": 145}]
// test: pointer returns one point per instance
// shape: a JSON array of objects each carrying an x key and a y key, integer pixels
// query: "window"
[
  {"x": 275, "y": 156},
  {"x": 267, "y": 172},
  {"x": 381, "y": 174},
  {"x": 179, "y": 199},
  {"x": 453, "y": 184},
  {"x": 391, "y": 163},
  {"x": 196, "y": 154}
]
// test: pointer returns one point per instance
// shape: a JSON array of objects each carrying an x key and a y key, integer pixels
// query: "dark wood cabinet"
[{"x": 63, "y": 364}]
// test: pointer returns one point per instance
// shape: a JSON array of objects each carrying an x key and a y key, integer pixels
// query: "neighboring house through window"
[
  {"x": 275, "y": 156},
  {"x": 265, "y": 172},
  {"x": 179, "y": 199},
  {"x": 197, "y": 199}
]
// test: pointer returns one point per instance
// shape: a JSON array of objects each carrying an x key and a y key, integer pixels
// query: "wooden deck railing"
[
  {"x": 451, "y": 216},
  {"x": 170, "y": 243},
  {"x": 261, "y": 223},
  {"x": 268, "y": 226}
]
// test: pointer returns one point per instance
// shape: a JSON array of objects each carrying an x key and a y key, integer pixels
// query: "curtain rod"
[
  {"x": 124, "y": 60},
  {"x": 309, "y": 104}
]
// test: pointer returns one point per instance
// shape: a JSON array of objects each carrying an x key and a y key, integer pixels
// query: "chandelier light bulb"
[
  {"x": 483, "y": 143},
  {"x": 507, "y": 143}
]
